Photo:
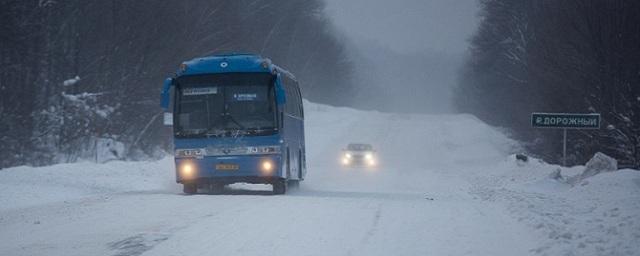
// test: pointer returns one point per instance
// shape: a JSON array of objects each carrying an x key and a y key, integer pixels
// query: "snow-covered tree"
[
  {"x": 121, "y": 51},
  {"x": 559, "y": 56}
]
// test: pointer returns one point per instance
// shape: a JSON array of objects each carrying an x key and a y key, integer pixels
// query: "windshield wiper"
[
  {"x": 260, "y": 130},
  {"x": 190, "y": 133},
  {"x": 230, "y": 117},
  {"x": 215, "y": 132},
  {"x": 226, "y": 117}
]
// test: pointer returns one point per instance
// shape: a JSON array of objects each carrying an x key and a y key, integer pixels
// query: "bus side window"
[
  {"x": 296, "y": 96},
  {"x": 299, "y": 99},
  {"x": 295, "y": 109},
  {"x": 287, "y": 103},
  {"x": 291, "y": 102}
]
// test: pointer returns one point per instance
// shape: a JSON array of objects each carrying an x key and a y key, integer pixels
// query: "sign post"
[
  {"x": 564, "y": 147},
  {"x": 565, "y": 121}
]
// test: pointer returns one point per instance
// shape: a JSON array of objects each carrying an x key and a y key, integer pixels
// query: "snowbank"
[
  {"x": 596, "y": 216},
  {"x": 598, "y": 164},
  {"x": 26, "y": 186}
]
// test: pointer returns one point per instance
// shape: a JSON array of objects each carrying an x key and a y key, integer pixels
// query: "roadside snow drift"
[{"x": 445, "y": 185}]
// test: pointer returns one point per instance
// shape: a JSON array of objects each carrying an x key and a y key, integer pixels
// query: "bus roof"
[{"x": 230, "y": 63}]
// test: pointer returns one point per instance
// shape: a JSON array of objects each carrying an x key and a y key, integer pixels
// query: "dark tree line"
[
  {"x": 75, "y": 71},
  {"x": 577, "y": 56}
]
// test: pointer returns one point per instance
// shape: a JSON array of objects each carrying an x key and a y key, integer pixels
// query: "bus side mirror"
[
  {"x": 168, "y": 119},
  {"x": 281, "y": 99},
  {"x": 165, "y": 99},
  {"x": 280, "y": 92},
  {"x": 165, "y": 96}
]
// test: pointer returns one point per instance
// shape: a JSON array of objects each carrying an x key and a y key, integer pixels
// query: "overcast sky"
[{"x": 408, "y": 26}]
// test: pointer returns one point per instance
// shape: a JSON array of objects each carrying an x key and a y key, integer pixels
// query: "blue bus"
[{"x": 236, "y": 118}]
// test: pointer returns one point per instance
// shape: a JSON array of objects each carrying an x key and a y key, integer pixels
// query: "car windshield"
[
  {"x": 359, "y": 147},
  {"x": 225, "y": 105}
]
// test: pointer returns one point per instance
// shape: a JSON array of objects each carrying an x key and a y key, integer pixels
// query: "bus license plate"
[{"x": 227, "y": 167}]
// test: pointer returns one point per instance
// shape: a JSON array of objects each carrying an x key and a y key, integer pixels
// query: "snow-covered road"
[{"x": 426, "y": 198}]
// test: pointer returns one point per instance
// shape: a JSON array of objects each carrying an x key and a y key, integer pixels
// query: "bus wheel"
[
  {"x": 294, "y": 184},
  {"x": 300, "y": 166},
  {"x": 279, "y": 187},
  {"x": 189, "y": 188},
  {"x": 216, "y": 188}
]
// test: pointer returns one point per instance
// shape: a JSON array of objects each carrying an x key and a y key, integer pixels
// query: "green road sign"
[{"x": 566, "y": 121}]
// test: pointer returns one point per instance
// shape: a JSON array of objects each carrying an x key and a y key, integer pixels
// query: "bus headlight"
[
  {"x": 187, "y": 170},
  {"x": 266, "y": 166}
]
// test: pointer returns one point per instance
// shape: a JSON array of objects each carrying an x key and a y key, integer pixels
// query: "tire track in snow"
[
  {"x": 373, "y": 228},
  {"x": 374, "y": 225},
  {"x": 137, "y": 244}
]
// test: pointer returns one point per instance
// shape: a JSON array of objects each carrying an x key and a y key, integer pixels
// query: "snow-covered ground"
[
  {"x": 447, "y": 185},
  {"x": 598, "y": 216}
]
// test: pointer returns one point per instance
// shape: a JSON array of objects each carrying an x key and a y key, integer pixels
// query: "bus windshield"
[{"x": 228, "y": 104}]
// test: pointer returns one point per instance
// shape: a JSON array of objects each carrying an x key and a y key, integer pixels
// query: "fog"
[{"x": 406, "y": 53}]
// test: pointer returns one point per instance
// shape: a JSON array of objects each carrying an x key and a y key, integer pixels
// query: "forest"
[
  {"x": 80, "y": 75},
  {"x": 77, "y": 74},
  {"x": 568, "y": 56}
]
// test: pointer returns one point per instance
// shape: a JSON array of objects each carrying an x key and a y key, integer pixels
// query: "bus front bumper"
[{"x": 229, "y": 169}]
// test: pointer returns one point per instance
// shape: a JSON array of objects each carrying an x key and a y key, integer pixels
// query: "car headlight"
[
  {"x": 347, "y": 155},
  {"x": 368, "y": 156},
  {"x": 371, "y": 162}
]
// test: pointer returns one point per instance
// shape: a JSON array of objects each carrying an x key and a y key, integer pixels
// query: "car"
[{"x": 359, "y": 154}]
